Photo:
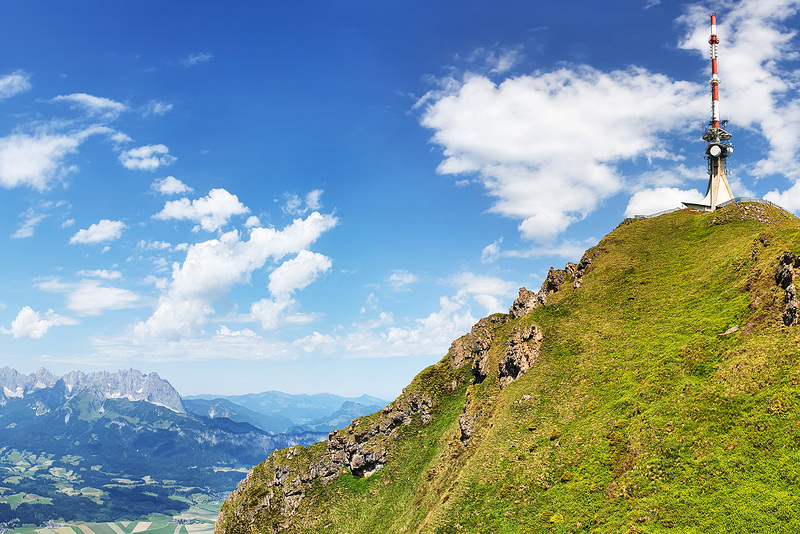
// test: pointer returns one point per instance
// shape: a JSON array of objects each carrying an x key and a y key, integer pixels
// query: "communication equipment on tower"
[{"x": 718, "y": 147}]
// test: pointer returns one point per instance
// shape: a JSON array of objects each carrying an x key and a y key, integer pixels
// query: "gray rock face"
[
  {"x": 527, "y": 301},
  {"x": 474, "y": 347},
  {"x": 362, "y": 447},
  {"x": 125, "y": 384},
  {"x": 522, "y": 351},
  {"x": 556, "y": 278},
  {"x": 784, "y": 277}
]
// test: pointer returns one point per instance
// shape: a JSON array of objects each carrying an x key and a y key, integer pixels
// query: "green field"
[{"x": 198, "y": 519}]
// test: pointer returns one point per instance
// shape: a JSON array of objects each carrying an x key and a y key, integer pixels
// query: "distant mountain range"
[
  {"x": 275, "y": 411},
  {"x": 100, "y": 446}
]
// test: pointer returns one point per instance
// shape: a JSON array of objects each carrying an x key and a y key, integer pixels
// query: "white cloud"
[
  {"x": 212, "y": 267},
  {"x": 100, "y": 273},
  {"x": 92, "y": 298},
  {"x": 269, "y": 313},
  {"x": 14, "y": 83},
  {"x": 31, "y": 220},
  {"x": 147, "y": 158},
  {"x": 431, "y": 335},
  {"x": 119, "y": 138},
  {"x": 224, "y": 331},
  {"x": 95, "y": 106},
  {"x": 35, "y": 160},
  {"x": 296, "y": 206},
  {"x": 401, "y": 278},
  {"x": 170, "y": 186},
  {"x": 491, "y": 252},
  {"x": 534, "y": 141},
  {"x": 252, "y": 221},
  {"x": 29, "y": 323},
  {"x": 756, "y": 54},
  {"x": 497, "y": 61},
  {"x": 105, "y": 230},
  {"x": 153, "y": 245},
  {"x": 67, "y": 223},
  {"x": 654, "y": 200},
  {"x": 194, "y": 59},
  {"x": 154, "y": 107},
  {"x": 298, "y": 273},
  {"x": 211, "y": 212},
  {"x": 485, "y": 290},
  {"x": 788, "y": 200}
]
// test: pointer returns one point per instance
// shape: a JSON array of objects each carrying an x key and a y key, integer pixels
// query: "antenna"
[{"x": 718, "y": 146}]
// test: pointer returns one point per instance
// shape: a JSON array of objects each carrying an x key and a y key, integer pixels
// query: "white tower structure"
[{"x": 719, "y": 146}]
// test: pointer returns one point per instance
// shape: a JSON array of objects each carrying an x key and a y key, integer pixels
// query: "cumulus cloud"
[
  {"x": 527, "y": 135},
  {"x": 297, "y": 206},
  {"x": 212, "y": 212},
  {"x": 485, "y": 290},
  {"x": 29, "y": 323},
  {"x": 400, "y": 278},
  {"x": 297, "y": 273},
  {"x": 170, "y": 186},
  {"x": 147, "y": 158},
  {"x": 35, "y": 161},
  {"x": 656, "y": 199},
  {"x": 788, "y": 200},
  {"x": 269, "y": 313},
  {"x": 14, "y": 83},
  {"x": 95, "y": 106},
  {"x": 105, "y": 230},
  {"x": 90, "y": 297},
  {"x": 212, "y": 267}
]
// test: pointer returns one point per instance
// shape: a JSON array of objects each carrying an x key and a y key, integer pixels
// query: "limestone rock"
[
  {"x": 784, "y": 277},
  {"x": 527, "y": 301},
  {"x": 474, "y": 347},
  {"x": 522, "y": 351},
  {"x": 790, "y": 308}
]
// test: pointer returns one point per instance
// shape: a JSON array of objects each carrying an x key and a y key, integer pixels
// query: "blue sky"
[{"x": 322, "y": 196}]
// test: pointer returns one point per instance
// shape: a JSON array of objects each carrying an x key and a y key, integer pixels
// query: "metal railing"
[{"x": 737, "y": 200}]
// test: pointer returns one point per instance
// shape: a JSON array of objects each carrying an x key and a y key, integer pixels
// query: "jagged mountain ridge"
[
  {"x": 106, "y": 427},
  {"x": 657, "y": 390},
  {"x": 128, "y": 384}
]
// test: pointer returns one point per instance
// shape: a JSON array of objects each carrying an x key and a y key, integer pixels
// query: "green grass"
[{"x": 639, "y": 417}]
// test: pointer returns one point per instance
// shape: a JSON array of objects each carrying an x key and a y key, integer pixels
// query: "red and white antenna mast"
[
  {"x": 713, "y": 42},
  {"x": 719, "y": 146}
]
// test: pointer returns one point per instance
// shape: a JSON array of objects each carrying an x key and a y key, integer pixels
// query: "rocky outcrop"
[
  {"x": 362, "y": 448},
  {"x": 556, "y": 278},
  {"x": 527, "y": 301},
  {"x": 522, "y": 351},
  {"x": 784, "y": 277},
  {"x": 474, "y": 347}
]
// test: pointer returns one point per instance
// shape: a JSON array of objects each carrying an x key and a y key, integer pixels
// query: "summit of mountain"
[{"x": 653, "y": 386}]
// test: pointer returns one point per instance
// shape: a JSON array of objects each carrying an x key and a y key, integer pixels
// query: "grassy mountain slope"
[{"x": 640, "y": 414}]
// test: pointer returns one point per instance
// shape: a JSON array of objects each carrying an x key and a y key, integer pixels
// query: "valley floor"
[{"x": 199, "y": 519}]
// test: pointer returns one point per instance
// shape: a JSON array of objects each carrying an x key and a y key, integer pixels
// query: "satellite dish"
[{"x": 715, "y": 150}]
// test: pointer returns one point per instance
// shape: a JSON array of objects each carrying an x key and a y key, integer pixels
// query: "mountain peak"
[{"x": 129, "y": 384}]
